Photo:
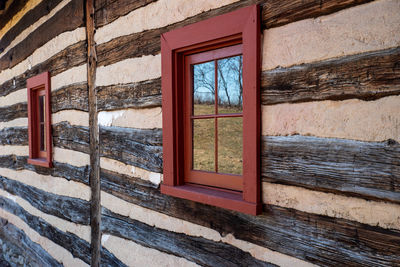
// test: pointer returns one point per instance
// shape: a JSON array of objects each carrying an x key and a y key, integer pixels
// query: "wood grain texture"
[
  {"x": 12, "y": 10},
  {"x": 314, "y": 238},
  {"x": 109, "y": 10},
  {"x": 71, "y": 137},
  {"x": 47, "y": 31},
  {"x": 274, "y": 13},
  {"x": 367, "y": 76},
  {"x": 145, "y": 94},
  {"x": 71, "y": 209},
  {"x": 367, "y": 169},
  {"x": 72, "y": 56},
  {"x": 33, "y": 15},
  {"x": 137, "y": 147},
  {"x": 196, "y": 249},
  {"x": 15, "y": 244},
  {"x": 70, "y": 97},
  {"x": 8, "y": 113},
  {"x": 63, "y": 170},
  {"x": 14, "y": 136},
  {"x": 78, "y": 247}
]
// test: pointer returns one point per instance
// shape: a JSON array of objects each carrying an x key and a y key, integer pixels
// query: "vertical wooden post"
[{"x": 94, "y": 176}]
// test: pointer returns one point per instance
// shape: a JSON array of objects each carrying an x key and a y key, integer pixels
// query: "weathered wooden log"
[
  {"x": 199, "y": 250},
  {"x": 367, "y": 76},
  {"x": 108, "y": 11},
  {"x": 13, "y": 112},
  {"x": 44, "y": 33},
  {"x": 315, "y": 238},
  {"x": 137, "y": 147},
  {"x": 14, "y": 242},
  {"x": 11, "y": 11},
  {"x": 71, "y": 209},
  {"x": 274, "y": 13},
  {"x": 71, "y": 137},
  {"x": 145, "y": 94},
  {"x": 78, "y": 247},
  {"x": 73, "y": 55},
  {"x": 63, "y": 170},
  {"x": 14, "y": 136},
  {"x": 73, "y": 96},
  {"x": 42, "y": 9},
  {"x": 367, "y": 169}
]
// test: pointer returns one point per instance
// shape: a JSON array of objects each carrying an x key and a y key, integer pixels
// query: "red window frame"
[
  {"x": 238, "y": 27},
  {"x": 39, "y": 85}
]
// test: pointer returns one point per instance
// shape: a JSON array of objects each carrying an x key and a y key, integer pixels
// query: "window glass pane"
[
  {"x": 204, "y": 88},
  {"x": 42, "y": 138},
  {"x": 203, "y": 144},
  {"x": 230, "y": 85},
  {"x": 230, "y": 145},
  {"x": 42, "y": 128},
  {"x": 41, "y": 108}
]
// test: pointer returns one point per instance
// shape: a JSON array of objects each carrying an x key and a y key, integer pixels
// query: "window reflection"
[
  {"x": 230, "y": 85},
  {"x": 203, "y": 145},
  {"x": 230, "y": 145},
  {"x": 204, "y": 88}
]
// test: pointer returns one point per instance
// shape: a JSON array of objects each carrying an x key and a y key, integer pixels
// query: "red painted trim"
[
  {"x": 39, "y": 82},
  {"x": 239, "y": 27}
]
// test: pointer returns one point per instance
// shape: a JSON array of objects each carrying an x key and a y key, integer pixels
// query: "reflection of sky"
[{"x": 229, "y": 81}]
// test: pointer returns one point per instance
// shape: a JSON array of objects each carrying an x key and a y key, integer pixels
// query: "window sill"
[
  {"x": 223, "y": 199},
  {"x": 40, "y": 162}
]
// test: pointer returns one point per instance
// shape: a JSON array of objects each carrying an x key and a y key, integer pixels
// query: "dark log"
[
  {"x": 71, "y": 209},
  {"x": 63, "y": 170},
  {"x": 145, "y": 94},
  {"x": 8, "y": 113},
  {"x": 196, "y": 249},
  {"x": 70, "y": 97},
  {"x": 33, "y": 15},
  {"x": 273, "y": 14},
  {"x": 107, "y": 11},
  {"x": 47, "y": 31},
  {"x": 315, "y": 238},
  {"x": 367, "y": 76},
  {"x": 14, "y": 136},
  {"x": 16, "y": 245},
  {"x": 277, "y": 12},
  {"x": 367, "y": 169},
  {"x": 137, "y": 147},
  {"x": 71, "y": 56},
  {"x": 13, "y": 9},
  {"x": 78, "y": 247},
  {"x": 71, "y": 137}
]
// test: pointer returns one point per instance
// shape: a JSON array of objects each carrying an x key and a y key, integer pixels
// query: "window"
[
  {"x": 211, "y": 111},
  {"x": 39, "y": 120}
]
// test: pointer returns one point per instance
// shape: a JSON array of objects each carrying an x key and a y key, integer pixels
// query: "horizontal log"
[
  {"x": 71, "y": 137},
  {"x": 367, "y": 76},
  {"x": 33, "y": 15},
  {"x": 14, "y": 136},
  {"x": 137, "y": 147},
  {"x": 274, "y": 14},
  {"x": 367, "y": 169},
  {"x": 309, "y": 237},
  {"x": 8, "y": 113},
  {"x": 70, "y": 97},
  {"x": 199, "y": 250},
  {"x": 12, "y": 10},
  {"x": 72, "y": 56},
  {"x": 44, "y": 33},
  {"x": 78, "y": 247},
  {"x": 108, "y": 11},
  {"x": 71, "y": 209},
  {"x": 64, "y": 170},
  {"x": 15, "y": 244},
  {"x": 145, "y": 94}
]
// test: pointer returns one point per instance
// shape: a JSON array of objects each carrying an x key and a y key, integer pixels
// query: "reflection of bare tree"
[{"x": 204, "y": 82}]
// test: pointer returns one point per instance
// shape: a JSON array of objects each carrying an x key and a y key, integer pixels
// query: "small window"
[
  {"x": 39, "y": 120},
  {"x": 211, "y": 111}
]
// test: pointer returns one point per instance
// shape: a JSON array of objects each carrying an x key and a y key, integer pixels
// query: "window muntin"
[{"x": 213, "y": 125}]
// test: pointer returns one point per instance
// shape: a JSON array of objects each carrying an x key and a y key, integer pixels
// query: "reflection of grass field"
[{"x": 229, "y": 142}]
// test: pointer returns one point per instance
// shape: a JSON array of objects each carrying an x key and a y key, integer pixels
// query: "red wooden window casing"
[
  {"x": 238, "y": 27},
  {"x": 39, "y": 117}
]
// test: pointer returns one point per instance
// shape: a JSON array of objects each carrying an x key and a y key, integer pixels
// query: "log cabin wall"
[{"x": 330, "y": 93}]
